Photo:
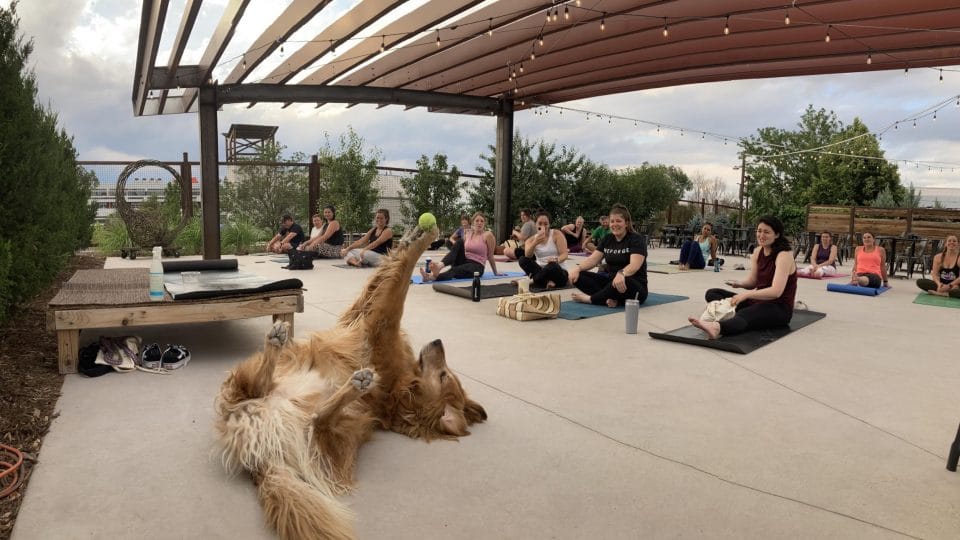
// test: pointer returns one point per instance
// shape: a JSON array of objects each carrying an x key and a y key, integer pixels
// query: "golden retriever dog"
[{"x": 295, "y": 415}]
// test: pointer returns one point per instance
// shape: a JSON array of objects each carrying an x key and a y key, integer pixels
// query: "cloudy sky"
[{"x": 85, "y": 51}]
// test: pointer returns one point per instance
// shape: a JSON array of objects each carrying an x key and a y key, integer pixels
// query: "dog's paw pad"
[
  {"x": 279, "y": 333},
  {"x": 362, "y": 379}
]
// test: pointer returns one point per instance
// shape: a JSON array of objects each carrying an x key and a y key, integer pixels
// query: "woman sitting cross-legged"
[
  {"x": 772, "y": 285},
  {"x": 371, "y": 247},
  {"x": 823, "y": 258},
  {"x": 575, "y": 234},
  {"x": 467, "y": 257},
  {"x": 625, "y": 253},
  {"x": 544, "y": 253},
  {"x": 696, "y": 254},
  {"x": 326, "y": 238},
  {"x": 945, "y": 274},
  {"x": 869, "y": 264}
]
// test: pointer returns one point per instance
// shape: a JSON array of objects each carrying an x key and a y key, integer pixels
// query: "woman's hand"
[
  {"x": 620, "y": 282},
  {"x": 552, "y": 259},
  {"x": 573, "y": 274},
  {"x": 943, "y": 288},
  {"x": 736, "y": 299}
]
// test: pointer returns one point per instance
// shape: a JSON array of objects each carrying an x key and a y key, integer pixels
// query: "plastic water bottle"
[
  {"x": 716, "y": 264},
  {"x": 156, "y": 275},
  {"x": 426, "y": 265},
  {"x": 475, "y": 290}
]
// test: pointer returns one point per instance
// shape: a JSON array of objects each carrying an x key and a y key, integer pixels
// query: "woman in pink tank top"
[
  {"x": 869, "y": 264},
  {"x": 467, "y": 257}
]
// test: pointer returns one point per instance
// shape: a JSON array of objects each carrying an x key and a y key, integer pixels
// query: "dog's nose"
[{"x": 436, "y": 343}]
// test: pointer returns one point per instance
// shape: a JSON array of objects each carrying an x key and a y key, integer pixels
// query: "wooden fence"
[{"x": 924, "y": 222}]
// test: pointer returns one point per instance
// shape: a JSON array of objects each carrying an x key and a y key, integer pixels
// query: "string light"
[
  {"x": 513, "y": 74},
  {"x": 243, "y": 65},
  {"x": 556, "y": 13},
  {"x": 603, "y": 21},
  {"x": 540, "y": 39},
  {"x": 934, "y": 116},
  {"x": 786, "y": 18},
  {"x": 383, "y": 43},
  {"x": 666, "y": 29},
  {"x": 533, "y": 55},
  {"x": 941, "y": 75},
  {"x": 521, "y": 67},
  {"x": 726, "y": 26},
  {"x": 906, "y": 70},
  {"x": 438, "y": 38},
  {"x": 548, "y": 15},
  {"x": 827, "y": 37},
  {"x": 869, "y": 59},
  {"x": 566, "y": 13},
  {"x": 578, "y": 3},
  {"x": 490, "y": 27}
]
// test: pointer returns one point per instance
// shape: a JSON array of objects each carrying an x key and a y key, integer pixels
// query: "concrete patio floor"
[{"x": 838, "y": 431}]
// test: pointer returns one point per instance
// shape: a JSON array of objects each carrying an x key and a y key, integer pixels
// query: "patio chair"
[{"x": 914, "y": 256}]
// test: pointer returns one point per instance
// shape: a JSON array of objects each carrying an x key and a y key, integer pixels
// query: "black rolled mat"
[
  {"x": 744, "y": 343},
  {"x": 496, "y": 290},
  {"x": 281, "y": 285},
  {"x": 210, "y": 265}
]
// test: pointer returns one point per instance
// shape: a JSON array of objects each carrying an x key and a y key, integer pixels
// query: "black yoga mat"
[
  {"x": 495, "y": 290},
  {"x": 210, "y": 265},
  {"x": 741, "y": 343}
]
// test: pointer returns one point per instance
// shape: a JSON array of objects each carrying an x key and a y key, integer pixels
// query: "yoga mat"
[
  {"x": 854, "y": 289},
  {"x": 349, "y": 267},
  {"x": 417, "y": 280},
  {"x": 741, "y": 343},
  {"x": 214, "y": 284},
  {"x": 657, "y": 268},
  {"x": 210, "y": 265},
  {"x": 935, "y": 300},
  {"x": 495, "y": 290},
  {"x": 573, "y": 311},
  {"x": 835, "y": 276},
  {"x": 281, "y": 260}
]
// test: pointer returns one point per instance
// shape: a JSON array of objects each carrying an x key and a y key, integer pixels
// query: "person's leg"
[
  {"x": 718, "y": 294},
  {"x": 636, "y": 290},
  {"x": 873, "y": 280},
  {"x": 353, "y": 257},
  {"x": 685, "y": 251},
  {"x": 455, "y": 256},
  {"x": 827, "y": 271},
  {"x": 529, "y": 266},
  {"x": 554, "y": 274},
  {"x": 327, "y": 251},
  {"x": 927, "y": 285},
  {"x": 371, "y": 258},
  {"x": 589, "y": 283},
  {"x": 756, "y": 317},
  {"x": 695, "y": 259},
  {"x": 460, "y": 271}
]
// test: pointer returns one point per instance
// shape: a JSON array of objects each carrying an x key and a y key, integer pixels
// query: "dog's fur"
[{"x": 296, "y": 415}]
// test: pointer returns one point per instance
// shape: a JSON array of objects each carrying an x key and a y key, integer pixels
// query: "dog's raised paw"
[
  {"x": 279, "y": 333},
  {"x": 362, "y": 379}
]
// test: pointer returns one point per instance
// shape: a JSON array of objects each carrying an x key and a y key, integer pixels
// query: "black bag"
[{"x": 300, "y": 259}]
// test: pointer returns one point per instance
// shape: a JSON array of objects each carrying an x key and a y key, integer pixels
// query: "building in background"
[{"x": 136, "y": 190}]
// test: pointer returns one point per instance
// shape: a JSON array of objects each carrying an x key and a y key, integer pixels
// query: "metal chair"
[{"x": 913, "y": 255}]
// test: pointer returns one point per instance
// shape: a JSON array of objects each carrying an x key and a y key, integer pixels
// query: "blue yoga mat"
[
  {"x": 417, "y": 280},
  {"x": 854, "y": 289},
  {"x": 572, "y": 311}
]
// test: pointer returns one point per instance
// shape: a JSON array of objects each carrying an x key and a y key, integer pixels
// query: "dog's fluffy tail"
[{"x": 299, "y": 511}]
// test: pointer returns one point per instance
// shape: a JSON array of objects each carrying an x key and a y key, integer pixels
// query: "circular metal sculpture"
[{"x": 148, "y": 227}]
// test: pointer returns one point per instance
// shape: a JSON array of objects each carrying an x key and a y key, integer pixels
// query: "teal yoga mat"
[
  {"x": 572, "y": 311},
  {"x": 417, "y": 280}
]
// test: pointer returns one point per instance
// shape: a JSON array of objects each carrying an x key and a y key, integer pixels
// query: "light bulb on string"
[
  {"x": 869, "y": 59},
  {"x": 521, "y": 67},
  {"x": 513, "y": 74},
  {"x": 548, "y": 16},
  {"x": 786, "y": 18},
  {"x": 490, "y": 27},
  {"x": 934, "y": 116},
  {"x": 578, "y": 3},
  {"x": 896, "y": 125},
  {"x": 906, "y": 70},
  {"x": 666, "y": 28},
  {"x": 438, "y": 38},
  {"x": 540, "y": 39},
  {"x": 566, "y": 13},
  {"x": 603, "y": 21},
  {"x": 383, "y": 43},
  {"x": 533, "y": 55},
  {"x": 556, "y": 12},
  {"x": 726, "y": 26},
  {"x": 243, "y": 64},
  {"x": 941, "y": 75},
  {"x": 914, "y": 123},
  {"x": 826, "y": 38}
]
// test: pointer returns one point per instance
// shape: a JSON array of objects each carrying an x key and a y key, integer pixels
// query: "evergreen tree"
[{"x": 45, "y": 195}]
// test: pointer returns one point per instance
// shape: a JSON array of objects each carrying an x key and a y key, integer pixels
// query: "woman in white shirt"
[{"x": 544, "y": 254}]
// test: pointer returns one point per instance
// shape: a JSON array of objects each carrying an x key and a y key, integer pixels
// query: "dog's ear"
[{"x": 474, "y": 412}]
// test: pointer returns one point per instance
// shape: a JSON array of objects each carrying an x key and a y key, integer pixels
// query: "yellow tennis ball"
[{"x": 427, "y": 221}]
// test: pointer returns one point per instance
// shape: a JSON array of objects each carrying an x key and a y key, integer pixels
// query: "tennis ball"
[{"x": 427, "y": 221}]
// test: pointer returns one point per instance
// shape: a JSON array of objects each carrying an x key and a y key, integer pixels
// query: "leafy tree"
[
  {"x": 44, "y": 194},
  {"x": 648, "y": 189},
  {"x": 348, "y": 176},
  {"x": 708, "y": 189},
  {"x": 906, "y": 198},
  {"x": 435, "y": 188},
  {"x": 543, "y": 177},
  {"x": 261, "y": 193},
  {"x": 782, "y": 181}
]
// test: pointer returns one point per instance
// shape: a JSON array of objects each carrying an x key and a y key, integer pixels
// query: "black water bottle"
[
  {"x": 475, "y": 290},
  {"x": 954, "y": 453}
]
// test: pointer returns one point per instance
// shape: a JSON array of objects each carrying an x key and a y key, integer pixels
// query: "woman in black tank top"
[
  {"x": 945, "y": 274},
  {"x": 771, "y": 287}
]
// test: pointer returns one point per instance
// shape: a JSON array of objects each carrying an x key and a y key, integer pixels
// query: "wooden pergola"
[{"x": 493, "y": 57}]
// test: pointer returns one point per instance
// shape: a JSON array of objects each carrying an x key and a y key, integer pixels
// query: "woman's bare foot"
[
  {"x": 712, "y": 329},
  {"x": 611, "y": 302},
  {"x": 427, "y": 277},
  {"x": 353, "y": 262},
  {"x": 580, "y": 297}
]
